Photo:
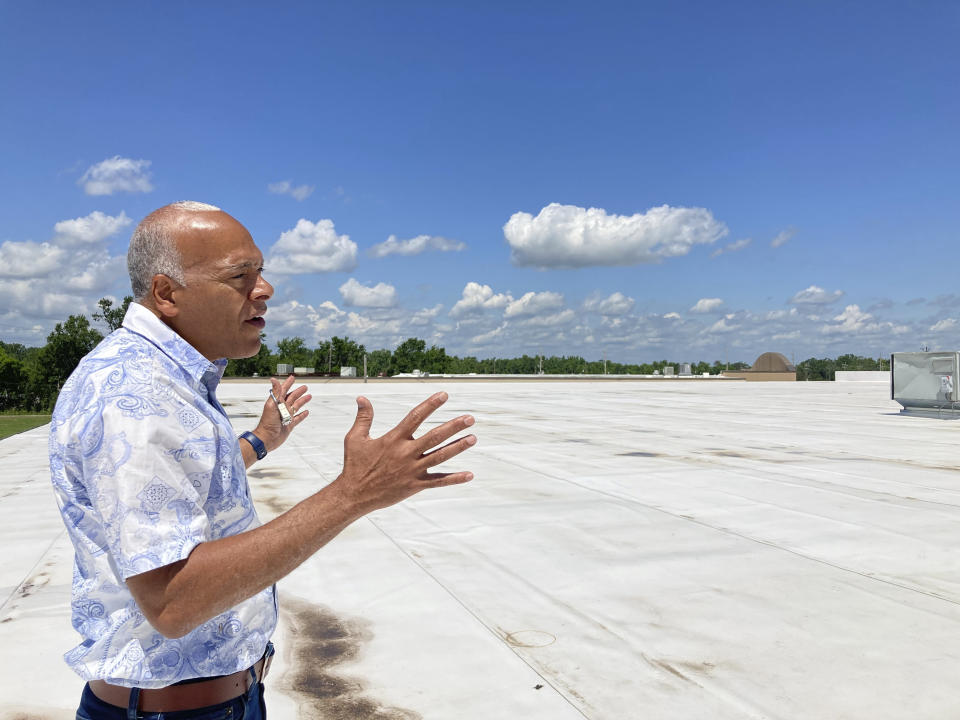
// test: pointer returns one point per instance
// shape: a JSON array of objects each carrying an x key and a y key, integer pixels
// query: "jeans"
[{"x": 246, "y": 707}]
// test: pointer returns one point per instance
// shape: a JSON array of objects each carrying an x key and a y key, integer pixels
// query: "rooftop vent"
[{"x": 925, "y": 383}]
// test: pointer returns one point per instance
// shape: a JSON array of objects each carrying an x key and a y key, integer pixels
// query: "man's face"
[{"x": 221, "y": 308}]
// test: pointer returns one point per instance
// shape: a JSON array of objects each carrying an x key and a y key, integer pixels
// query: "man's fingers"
[
  {"x": 361, "y": 426},
  {"x": 296, "y": 399},
  {"x": 282, "y": 388},
  {"x": 443, "y": 479},
  {"x": 421, "y": 412},
  {"x": 443, "y": 432},
  {"x": 277, "y": 388},
  {"x": 451, "y": 449},
  {"x": 297, "y": 419}
]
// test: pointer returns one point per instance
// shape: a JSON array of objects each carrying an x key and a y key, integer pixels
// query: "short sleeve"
[{"x": 148, "y": 468}]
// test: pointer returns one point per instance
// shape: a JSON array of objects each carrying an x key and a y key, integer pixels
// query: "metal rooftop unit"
[{"x": 925, "y": 383}]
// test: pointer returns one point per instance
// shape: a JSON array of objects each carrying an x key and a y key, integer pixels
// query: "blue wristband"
[{"x": 256, "y": 443}]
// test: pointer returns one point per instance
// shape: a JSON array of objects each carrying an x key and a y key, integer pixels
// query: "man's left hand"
[{"x": 271, "y": 429}]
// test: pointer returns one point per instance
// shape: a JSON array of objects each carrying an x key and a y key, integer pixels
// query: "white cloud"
[
  {"x": 376, "y": 327},
  {"x": 415, "y": 246},
  {"x": 560, "y": 318},
  {"x": 781, "y": 314},
  {"x": 426, "y": 315},
  {"x": 672, "y": 316},
  {"x": 360, "y": 324},
  {"x": 723, "y": 325},
  {"x": 732, "y": 247},
  {"x": 854, "y": 320},
  {"x": 98, "y": 275},
  {"x": 312, "y": 248},
  {"x": 814, "y": 295},
  {"x": 486, "y": 337},
  {"x": 285, "y": 187},
  {"x": 93, "y": 228},
  {"x": 850, "y": 320},
  {"x": 533, "y": 303},
  {"x": 477, "y": 298},
  {"x": 63, "y": 276},
  {"x": 615, "y": 304},
  {"x": 943, "y": 325},
  {"x": 380, "y": 295},
  {"x": 30, "y": 259},
  {"x": 116, "y": 174},
  {"x": 570, "y": 236},
  {"x": 310, "y": 322},
  {"x": 705, "y": 305},
  {"x": 31, "y": 299},
  {"x": 783, "y": 237}
]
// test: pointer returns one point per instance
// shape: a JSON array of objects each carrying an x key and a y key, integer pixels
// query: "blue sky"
[{"x": 690, "y": 180}]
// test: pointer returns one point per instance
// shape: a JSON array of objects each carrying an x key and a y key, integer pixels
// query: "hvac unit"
[{"x": 925, "y": 383}]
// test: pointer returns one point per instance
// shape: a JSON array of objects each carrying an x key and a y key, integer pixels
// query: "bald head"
[{"x": 153, "y": 246}]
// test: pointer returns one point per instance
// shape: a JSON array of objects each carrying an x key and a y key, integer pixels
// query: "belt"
[{"x": 190, "y": 696}]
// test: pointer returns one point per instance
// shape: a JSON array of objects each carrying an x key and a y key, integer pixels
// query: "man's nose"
[{"x": 262, "y": 290}]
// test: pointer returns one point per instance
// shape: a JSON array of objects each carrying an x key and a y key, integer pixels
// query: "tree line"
[
  {"x": 826, "y": 368},
  {"x": 30, "y": 377},
  {"x": 413, "y": 354}
]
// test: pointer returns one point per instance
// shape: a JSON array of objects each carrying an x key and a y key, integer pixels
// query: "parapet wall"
[
  {"x": 759, "y": 376},
  {"x": 863, "y": 376}
]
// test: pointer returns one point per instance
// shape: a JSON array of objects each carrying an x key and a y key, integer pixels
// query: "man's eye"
[{"x": 245, "y": 274}]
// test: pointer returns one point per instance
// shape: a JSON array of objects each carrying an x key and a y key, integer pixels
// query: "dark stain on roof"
[{"x": 321, "y": 640}]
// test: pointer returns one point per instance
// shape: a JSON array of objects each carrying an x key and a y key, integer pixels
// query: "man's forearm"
[
  {"x": 220, "y": 574},
  {"x": 377, "y": 472}
]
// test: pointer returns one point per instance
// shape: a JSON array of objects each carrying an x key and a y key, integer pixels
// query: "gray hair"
[{"x": 153, "y": 248}]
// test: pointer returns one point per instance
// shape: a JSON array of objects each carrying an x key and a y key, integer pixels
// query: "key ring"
[{"x": 285, "y": 417}]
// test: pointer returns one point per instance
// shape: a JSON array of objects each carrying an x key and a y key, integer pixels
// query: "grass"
[{"x": 13, "y": 424}]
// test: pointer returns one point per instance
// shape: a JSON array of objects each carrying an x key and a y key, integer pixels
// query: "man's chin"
[{"x": 247, "y": 353}]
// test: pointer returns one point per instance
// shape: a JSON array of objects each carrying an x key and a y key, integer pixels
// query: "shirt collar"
[{"x": 201, "y": 371}]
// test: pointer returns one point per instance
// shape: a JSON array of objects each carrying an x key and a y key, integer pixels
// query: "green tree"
[
  {"x": 112, "y": 316},
  {"x": 435, "y": 360},
  {"x": 858, "y": 362},
  {"x": 338, "y": 352},
  {"x": 293, "y": 351},
  {"x": 409, "y": 355},
  {"x": 816, "y": 369},
  {"x": 16, "y": 350},
  {"x": 379, "y": 362},
  {"x": 12, "y": 377},
  {"x": 465, "y": 365},
  {"x": 66, "y": 346},
  {"x": 347, "y": 353},
  {"x": 323, "y": 357}
]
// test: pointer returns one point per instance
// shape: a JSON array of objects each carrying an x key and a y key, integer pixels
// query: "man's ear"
[{"x": 162, "y": 289}]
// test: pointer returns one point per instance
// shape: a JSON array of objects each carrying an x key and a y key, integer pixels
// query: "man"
[{"x": 173, "y": 591}]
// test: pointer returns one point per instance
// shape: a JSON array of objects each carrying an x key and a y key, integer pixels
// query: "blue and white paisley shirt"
[{"x": 146, "y": 466}]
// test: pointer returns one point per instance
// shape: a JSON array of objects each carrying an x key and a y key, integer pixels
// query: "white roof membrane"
[{"x": 627, "y": 549}]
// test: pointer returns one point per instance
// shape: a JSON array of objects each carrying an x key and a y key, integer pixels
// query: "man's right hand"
[{"x": 378, "y": 472}]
